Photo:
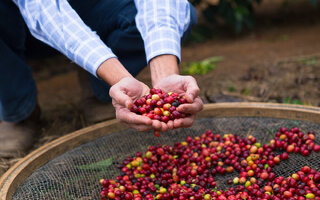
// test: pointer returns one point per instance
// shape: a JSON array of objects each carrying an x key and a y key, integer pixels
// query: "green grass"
[
  {"x": 284, "y": 37},
  {"x": 201, "y": 67},
  {"x": 309, "y": 61}
]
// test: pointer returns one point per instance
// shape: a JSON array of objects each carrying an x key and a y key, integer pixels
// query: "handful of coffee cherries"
[{"x": 159, "y": 106}]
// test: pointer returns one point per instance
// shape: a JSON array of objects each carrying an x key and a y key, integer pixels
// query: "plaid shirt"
[{"x": 160, "y": 22}]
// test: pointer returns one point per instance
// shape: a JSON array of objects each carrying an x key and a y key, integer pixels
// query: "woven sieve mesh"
[{"x": 64, "y": 178}]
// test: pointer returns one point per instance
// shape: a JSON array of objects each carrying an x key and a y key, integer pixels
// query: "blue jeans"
[{"x": 114, "y": 22}]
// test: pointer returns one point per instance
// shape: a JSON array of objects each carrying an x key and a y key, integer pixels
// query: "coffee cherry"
[
  {"x": 148, "y": 101},
  {"x": 290, "y": 148},
  {"x": 175, "y": 103},
  {"x": 111, "y": 195},
  {"x": 155, "y": 97},
  {"x": 128, "y": 196},
  {"x": 310, "y": 196},
  {"x": 287, "y": 194},
  {"x": 316, "y": 148},
  {"x": 153, "y": 91},
  {"x": 264, "y": 175},
  {"x": 150, "y": 115},
  {"x": 166, "y": 106},
  {"x": 156, "y": 133},
  {"x": 142, "y": 110},
  {"x": 134, "y": 108},
  {"x": 172, "y": 108},
  {"x": 157, "y": 117},
  {"x": 169, "y": 99},
  {"x": 305, "y": 169},
  {"x": 157, "y": 111},
  {"x": 159, "y": 91},
  {"x": 165, "y": 118},
  {"x": 176, "y": 114},
  {"x": 153, "y": 102},
  {"x": 182, "y": 101},
  {"x": 305, "y": 152},
  {"x": 166, "y": 113},
  {"x": 160, "y": 104},
  {"x": 284, "y": 156}
]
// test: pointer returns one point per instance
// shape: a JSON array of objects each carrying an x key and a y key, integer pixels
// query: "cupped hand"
[
  {"x": 123, "y": 95},
  {"x": 185, "y": 86}
]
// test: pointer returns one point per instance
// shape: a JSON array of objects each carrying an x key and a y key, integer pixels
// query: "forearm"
[
  {"x": 58, "y": 25},
  {"x": 162, "y": 24},
  {"x": 112, "y": 71},
  {"x": 163, "y": 66}
]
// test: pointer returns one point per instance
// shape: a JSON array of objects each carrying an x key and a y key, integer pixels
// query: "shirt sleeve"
[
  {"x": 162, "y": 25},
  {"x": 58, "y": 25}
]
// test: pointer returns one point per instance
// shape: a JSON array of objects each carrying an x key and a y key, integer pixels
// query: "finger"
[
  {"x": 184, "y": 122},
  {"x": 131, "y": 118},
  {"x": 164, "y": 127},
  {"x": 192, "y": 90},
  {"x": 170, "y": 125},
  {"x": 120, "y": 97},
  {"x": 192, "y": 108},
  {"x": 156, "y": 125},
  {"x": 159, "y": 126}
]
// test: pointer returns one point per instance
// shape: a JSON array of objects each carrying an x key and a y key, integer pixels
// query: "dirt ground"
[{"x": 278, "y": 61}]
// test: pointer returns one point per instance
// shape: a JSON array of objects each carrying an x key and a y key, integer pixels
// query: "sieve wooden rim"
[{"x": 10, "y": 181}]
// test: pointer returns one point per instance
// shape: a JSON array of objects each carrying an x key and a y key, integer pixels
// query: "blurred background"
[{"x": 241, "y": 50}]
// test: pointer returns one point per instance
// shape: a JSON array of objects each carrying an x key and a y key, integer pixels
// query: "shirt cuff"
[
  {"x": 161, "y": 41},
  {"x": 91, "y": 54}
]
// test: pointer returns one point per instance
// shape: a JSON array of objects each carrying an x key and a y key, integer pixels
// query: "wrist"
[
  {"x": 163, "y": 66},
  {"x": 112, "y": 71}
]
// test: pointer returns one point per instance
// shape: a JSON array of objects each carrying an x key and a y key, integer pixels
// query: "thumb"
[
  {"x": 192, "y": 91},
  {"x": 122, "y": 98}
]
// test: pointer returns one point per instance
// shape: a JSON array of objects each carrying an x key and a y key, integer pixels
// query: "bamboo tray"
[{"x": 12, "y": 179}]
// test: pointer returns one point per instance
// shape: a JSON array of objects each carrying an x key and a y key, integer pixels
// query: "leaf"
[
  {"x": 214, "y": 59},
  {"x": 98, "y": 165},
  {"x": 287, "y": 100},
  {"x": 236, "y": 13},
  {"x": 297, "y": 102},
  {"x": 313, "y": 2},
  {"x": 232, "y": 88}
]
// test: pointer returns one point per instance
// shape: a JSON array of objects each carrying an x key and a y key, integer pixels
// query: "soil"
[{"x": 278, "y": 61}]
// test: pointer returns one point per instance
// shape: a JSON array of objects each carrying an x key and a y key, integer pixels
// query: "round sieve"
[{"x": 70, "y": 167}]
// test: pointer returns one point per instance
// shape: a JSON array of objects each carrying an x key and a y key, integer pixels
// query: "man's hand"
[
  {"x": 164, "y": 74},
  {"x": 123, "y": 95},
  {"x": 184, "y": 86},
  {"x": 124, "y": 91}
]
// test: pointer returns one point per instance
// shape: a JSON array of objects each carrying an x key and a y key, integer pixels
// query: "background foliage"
[{"x": 236, "y": 13}]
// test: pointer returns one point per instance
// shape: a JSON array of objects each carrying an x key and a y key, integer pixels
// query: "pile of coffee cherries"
[
  {"x": 159, "y": 106},
  {"x": 187, "y": 169}
]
